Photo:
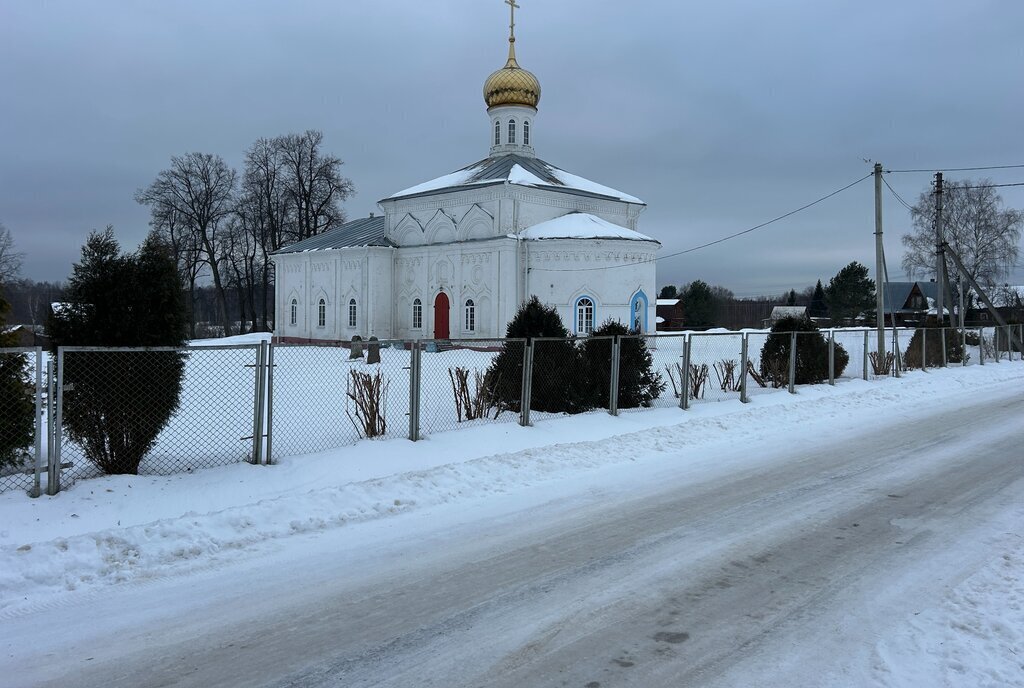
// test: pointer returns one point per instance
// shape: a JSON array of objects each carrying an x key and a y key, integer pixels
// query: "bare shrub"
[
  {"x": 698, "y": 379},
  {"x": 369, "y": 394},
  {"x": 474, "y": 403},
  {"x": 725, "y": 371}
]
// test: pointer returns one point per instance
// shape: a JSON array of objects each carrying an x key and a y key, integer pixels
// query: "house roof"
[
  {"x": 366, "y": 231},
  {"x": 580, "y": 226},
  {"x": 514, "y": 169},
  {"x": 897, "y": 293},
  {"x": 788, "y": 311}
]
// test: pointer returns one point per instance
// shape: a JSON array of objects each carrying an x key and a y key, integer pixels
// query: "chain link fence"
[
  {"x": 470, "y": 382},
  {"x": 154, "y": 411},
  {"x": 21, "y": 419},
  {"x": 163, "y": 410},
  {"x": 326, "y": 397}
]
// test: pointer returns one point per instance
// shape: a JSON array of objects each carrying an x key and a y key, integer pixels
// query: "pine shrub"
[
  {"x": 559, "y": 385},
  {"x": 17, "y": 403},
  {"x": 639, "y": 384},
  {"x": 116, "y": 403},
  {"x": 811, "y": 353},
  {"x": 933, "y": 348}
]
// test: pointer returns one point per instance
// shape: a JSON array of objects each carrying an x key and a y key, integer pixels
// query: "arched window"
[
  {"x": 321, "y": 313},
  {"x": 470, "y": 316},
  {"x": 352, "y": 313},
  {"x": 497, "y": 133},
  {"x": 295, "y": 311},
  {"x": 584, "y": 316},
  {"x": 417, "y": 315},
  {"x": 526, "y": 132},
  {"x": 511, "y": 131}
]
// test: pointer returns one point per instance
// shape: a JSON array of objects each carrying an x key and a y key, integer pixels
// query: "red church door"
[{"x": 441, "y": 314}]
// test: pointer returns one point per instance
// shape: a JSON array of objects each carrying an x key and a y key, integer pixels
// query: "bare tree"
[
  {"x": 975, "y": 224},
  {"x": 313, "y": 183},
  {"x": 176, "y": 231},
  {"x": 10, "y": 260},
  {"x": 199, "y": 190}
]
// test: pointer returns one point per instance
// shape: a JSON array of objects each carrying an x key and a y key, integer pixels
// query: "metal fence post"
[
  {"x": 257, "y": 407},
  {"x": 414, "y": 391},
  {"x": 684, "y": 375},
  {"x": 613, "y": 392},
  {"x": 942, "y": 333},
  {"x": 744, "y": 353},
  {"x": 832, "y": 357},
  {"x": 792, "y": 362},
  {"x": 897, "y": 356},
  {"x": 525, "y": 396},
  {"x": 924, "y": 348},
  {"x": 53, "y": 475},
  {"x": 981, "y": 346},
  {"x": 865, "y": 362},
  {"x": 269, "y": 458},
  {"x": 35, "y": 490}
]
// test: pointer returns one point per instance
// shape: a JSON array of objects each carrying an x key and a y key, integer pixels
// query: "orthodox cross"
[{"x": 512, "y": 24}]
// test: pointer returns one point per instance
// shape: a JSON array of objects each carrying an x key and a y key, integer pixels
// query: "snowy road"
[{"x": 782, "y": 571}]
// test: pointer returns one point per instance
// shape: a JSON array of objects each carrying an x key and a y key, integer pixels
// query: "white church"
[{"x": 454, "y": 257}]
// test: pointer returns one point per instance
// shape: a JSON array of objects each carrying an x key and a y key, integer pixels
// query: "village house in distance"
[{"x": 454, "y": 257}]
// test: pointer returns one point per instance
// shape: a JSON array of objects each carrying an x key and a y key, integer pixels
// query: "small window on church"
[
  {"x": 584, "y": 316},
  {"x": 295, "y": 311},
  {"x": 526, "y": 133},
  {"x": 321, "y": 313},
  {"x": 511, "y": 131},
  {"x": 497, "y": 133},
  {"x": 417, "y": 315},
  {"x": 352, "y": 313},
  {"x": 470, "y": 316}
]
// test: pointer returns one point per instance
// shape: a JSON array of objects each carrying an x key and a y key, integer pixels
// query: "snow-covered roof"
[
  {"x": 518, "y": 170},
  {"x": 788, "y": 312},
  {"x": 580, "y": 226},
  {"x": 668, "y": 302}
]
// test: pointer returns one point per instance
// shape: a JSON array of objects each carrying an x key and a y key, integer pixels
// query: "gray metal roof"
[
  {"x": 496, "y": 170},
  {"x": 366, "y": 231},
  {"x": 897, "y": 293}
]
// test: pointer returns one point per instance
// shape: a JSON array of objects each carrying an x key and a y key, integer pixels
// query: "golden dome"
[{"x": 512, "y": 85}]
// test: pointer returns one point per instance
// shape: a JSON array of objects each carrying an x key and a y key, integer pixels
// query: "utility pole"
[
  {"x": 879, "y": 267},
  {"x": 939, "y": 257}
]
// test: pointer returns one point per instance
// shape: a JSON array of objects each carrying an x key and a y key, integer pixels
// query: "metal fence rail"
[
  {"x": 154, "y": 411},
  {"x": 92, "y": 410}
]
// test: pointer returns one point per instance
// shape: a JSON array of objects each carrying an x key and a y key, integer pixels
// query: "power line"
[
  {"x": 960, "y": 169},
  {"x": 898, "y": 197},
  {"x": 951, "y": 187},
  {"x": 723, "y": 239}
]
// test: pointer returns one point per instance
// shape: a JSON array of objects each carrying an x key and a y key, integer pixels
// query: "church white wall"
[
  {"x": 476, "y": 270},
  {"x": 562, "y": 271}
]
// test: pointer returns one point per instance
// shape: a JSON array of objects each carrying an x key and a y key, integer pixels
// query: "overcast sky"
[{"x": 720, "y": 115}]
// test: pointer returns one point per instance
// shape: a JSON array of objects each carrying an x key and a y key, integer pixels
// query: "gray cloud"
[{"x": 719, "y": 115}]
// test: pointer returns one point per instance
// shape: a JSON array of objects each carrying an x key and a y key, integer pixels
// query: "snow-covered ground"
[{"x": 108, "y": 532}]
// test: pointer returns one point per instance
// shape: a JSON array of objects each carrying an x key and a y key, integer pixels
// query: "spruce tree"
[
  {"x": 819, "y": 308},
  {"x": 17, "y": 403},
  {"x": 811, "y": 353},
  {"x": 639, "y": 384},
  {"x": 698, "y": 304},
  {"x": 116, "y": 403},
  {"x": 558, "y": 380}
]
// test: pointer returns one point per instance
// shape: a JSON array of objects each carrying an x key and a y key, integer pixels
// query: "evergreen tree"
[
  {"x": 639, "y": 384},
  {"x": 850, "y": 292},
  {"x": 116, "y": 403},
  {"x": 819, "y": 308},
  {"x": 668, "y": 292},
  {"x": 17, "y": 403},
  {"x": 698, "y": 304},
  {"x": 791, "y": 298},
  {"x": 558, "y": 381},
  {"x": 811, "y": 353}
]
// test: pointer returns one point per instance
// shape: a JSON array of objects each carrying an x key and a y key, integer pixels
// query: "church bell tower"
[{"x": 512, "y": 94}]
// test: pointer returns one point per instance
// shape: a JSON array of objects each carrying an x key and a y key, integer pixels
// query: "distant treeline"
[{"x": 30, "y": 305}]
